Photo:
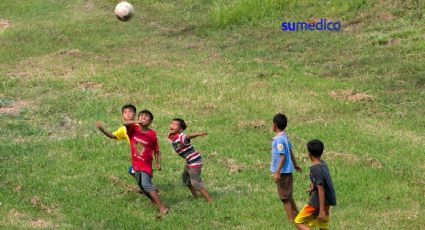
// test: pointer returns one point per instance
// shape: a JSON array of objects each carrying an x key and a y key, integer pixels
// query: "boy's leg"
[
  {"x": 306, "y": 218},
  {"x": 287, "y": 205},
  {"x": 206, "y": 195},
  {"x": 150, "y": 191},
  {"x": 294, "y": 207},
  {"x": 186, "y": 181},
  {"x": 193, "y": 191},
  {"x": 284, "y": 189},
  {"x": 196, "y": 182}
]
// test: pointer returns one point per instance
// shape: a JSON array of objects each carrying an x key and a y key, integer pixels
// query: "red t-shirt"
[{"x": 142, "y": 145}]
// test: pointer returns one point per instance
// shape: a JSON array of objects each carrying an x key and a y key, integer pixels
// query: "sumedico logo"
[{"x": 319, "y": 25}]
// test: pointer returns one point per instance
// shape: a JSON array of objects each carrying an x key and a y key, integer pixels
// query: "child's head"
[
  {"x": 279, "y": 122},
  {"x": 315, "y": 148},
  {"x": 128, "y": 112},
  {"x": 145, "y": 117},
  {"x": 177, "y": 126}
]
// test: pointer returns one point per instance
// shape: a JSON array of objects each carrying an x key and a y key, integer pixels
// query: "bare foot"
[{"x": 162, "y": 212}]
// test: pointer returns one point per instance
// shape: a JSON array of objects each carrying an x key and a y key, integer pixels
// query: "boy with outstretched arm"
[
  {"x": 322, "y": 193},
  {"x": 282, "y": 165},
  {"x": 128, "y": 113},
  {"x": 181, "y": 142},
  {"x": 143, "y": 145}
]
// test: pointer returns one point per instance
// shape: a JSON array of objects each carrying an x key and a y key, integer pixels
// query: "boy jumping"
[
  {"x": 322, "y": 193},
  {"x": 191, "y": 175}
]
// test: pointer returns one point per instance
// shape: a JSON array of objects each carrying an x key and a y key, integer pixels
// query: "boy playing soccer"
[
  {"x": 191, "y": 175},
  {"x": 283, "y": 164},
  {"x": 322, "y": 193},
  {"x": 128, "y": 113},
  {"x": 143, "y": 144}
]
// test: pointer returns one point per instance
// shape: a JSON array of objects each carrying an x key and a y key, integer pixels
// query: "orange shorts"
[{"x": 308, "y": 216}]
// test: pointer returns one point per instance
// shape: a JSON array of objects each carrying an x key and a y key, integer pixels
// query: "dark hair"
[
  {"x": 129, "y": 106},
  {"x": 145, "y": 111},
  {"x": 181, "y": 122},
  {"x": 280, "y": 121},
  {"x": 315, "y": 147}
]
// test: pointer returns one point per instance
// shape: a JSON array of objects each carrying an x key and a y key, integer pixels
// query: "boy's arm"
[
  {"x": 279, "y": 168},
  {"x": 127, "y": 123},
  {"x": 157, "y": 158},
  {"x": 198, "y": 134},
  {"x": 298, "y": 168},
  {"x": 322, "y": 214},
  {"x": 104, "y": 131}
]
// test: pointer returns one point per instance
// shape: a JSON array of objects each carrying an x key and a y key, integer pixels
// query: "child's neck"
[
  {"x": 279, "y": 131},
  {"x": 145, "y": 128},
  {"x": 316, "y": 161}
]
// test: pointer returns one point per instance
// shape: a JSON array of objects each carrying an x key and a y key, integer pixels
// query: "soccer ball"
[{"x": 124, "y": 11}]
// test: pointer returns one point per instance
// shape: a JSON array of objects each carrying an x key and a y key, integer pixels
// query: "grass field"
[{"x": 226, "y": 68}]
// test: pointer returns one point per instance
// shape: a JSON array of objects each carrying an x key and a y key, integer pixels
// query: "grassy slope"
[{"x": 226, "y": 73}]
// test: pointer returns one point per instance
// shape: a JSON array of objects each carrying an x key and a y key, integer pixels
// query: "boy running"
[
  {"x": 181, "y": 142},
  {"x": 322, "y": 193}
]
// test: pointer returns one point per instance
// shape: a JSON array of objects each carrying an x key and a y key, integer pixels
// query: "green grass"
[{"x": 226, "y": 68}]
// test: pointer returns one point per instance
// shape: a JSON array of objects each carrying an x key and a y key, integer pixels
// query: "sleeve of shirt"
[
  {"x": 317, "y": 176},
  {"x": 282, "y": 147},
  {"x": 184, "y": 139},
  {"x": 120, "y": 133}
]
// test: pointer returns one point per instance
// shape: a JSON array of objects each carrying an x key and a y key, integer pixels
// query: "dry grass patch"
[
  {"x": 4, "y": 24},
  {"x": 64, "y": 63},
  {"x": 256, "y": 124},
  {"x": 346, "y": 157},
  {"x": 232, "y": 165},
  {"x": 350, "y": 95},
  {"x": 14, "y": 108},
  {"x": 39, "y": 204},
  {"x": 89, "y": 85}
]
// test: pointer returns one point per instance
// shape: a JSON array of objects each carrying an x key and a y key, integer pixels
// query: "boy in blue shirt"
[{"x": 283, "y": 164}]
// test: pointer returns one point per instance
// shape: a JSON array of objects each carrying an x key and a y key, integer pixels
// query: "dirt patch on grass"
[
  {"x": 4, "y": 24},
  {"x": 232, "y": 165},
  {"x": 350, "y": 95},
  {"x": 13, "y": 107},
  {"x": 212, "y": 58},
  {"x": 208, "y": 108},
  {"x": 67, "y": 123},
  {"x": 89, "y": 85},
  {"x": 374, "y": 163},
  {"x": 115, "y": 180},
  {"x": 352, "y": 26},
  {"x": 18, "y": 188},
  {"x": 40, "y": 223},
  {"x": 38, "y": 204},
  {"x": 346, "y": 157},
  {"x": 349, "y": 158},
  {"x": 256, "y": 124},
  {"x": 393, "y": 42},
  {"x": 63, "y": 63}
]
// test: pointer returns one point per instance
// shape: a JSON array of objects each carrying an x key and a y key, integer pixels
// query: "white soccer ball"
[{"x": 124, "y": 11}]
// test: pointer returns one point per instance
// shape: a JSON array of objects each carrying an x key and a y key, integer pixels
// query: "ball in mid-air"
[{"x": 124, "y": 11}]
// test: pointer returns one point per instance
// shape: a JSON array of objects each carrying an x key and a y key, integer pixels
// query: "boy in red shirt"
[{"x": 143, "y": 145}]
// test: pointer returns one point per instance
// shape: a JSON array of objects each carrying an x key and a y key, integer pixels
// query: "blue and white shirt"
[{"x": 281, "y": 146}]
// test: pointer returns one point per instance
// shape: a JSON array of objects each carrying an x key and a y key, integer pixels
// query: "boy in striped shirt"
[{"x": 181, "y": 142}]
